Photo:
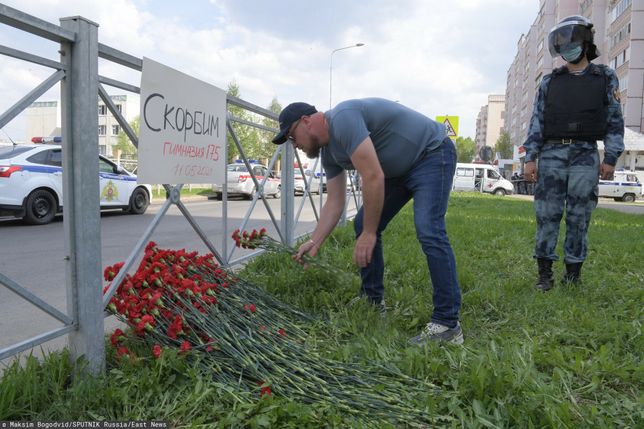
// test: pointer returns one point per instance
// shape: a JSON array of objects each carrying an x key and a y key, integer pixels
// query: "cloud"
[{"x": 437, "y": 57}]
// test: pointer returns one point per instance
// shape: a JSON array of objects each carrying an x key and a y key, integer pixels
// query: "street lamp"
[{"x": 357, "y": 45}]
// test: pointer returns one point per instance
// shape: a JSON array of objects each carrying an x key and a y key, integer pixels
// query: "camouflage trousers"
[{"x": 567, "y": 180}]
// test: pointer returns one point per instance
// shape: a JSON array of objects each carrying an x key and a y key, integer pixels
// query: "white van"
[
  {"x": 481, "y": 178},
  {"x": 625, "y": 186}
]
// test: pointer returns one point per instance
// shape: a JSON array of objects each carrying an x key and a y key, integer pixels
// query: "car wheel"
[
  {"x": 139, "y": 201},
  {"x": 500, "y": 192},
  {"x": 628, "y": 198},
  {"x": 278, "y": 194},
  {"x": 41, "y": 207}
]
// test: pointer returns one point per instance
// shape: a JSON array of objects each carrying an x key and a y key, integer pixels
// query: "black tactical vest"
[{"x": 576, "y": 105}]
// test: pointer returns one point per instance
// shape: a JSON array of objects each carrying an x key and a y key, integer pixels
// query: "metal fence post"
[
  {"x": 79, "y": 100},
  {"x": 288, "y": 194}
]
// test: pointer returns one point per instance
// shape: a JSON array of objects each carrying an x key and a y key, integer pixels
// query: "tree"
[
  {"x": 504, "y": 146},
  {"x": 267, "y": 136},
  {"x": 249, "y": 137},
  {"x": 124, "y": 145},
  {"x": 465, "y": 149}
]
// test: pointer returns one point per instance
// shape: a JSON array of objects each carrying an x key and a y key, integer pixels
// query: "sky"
[{"x": 437, "y": 57}]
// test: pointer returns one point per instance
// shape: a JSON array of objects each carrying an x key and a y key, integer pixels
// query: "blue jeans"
[{"x": 429, "y": 183}]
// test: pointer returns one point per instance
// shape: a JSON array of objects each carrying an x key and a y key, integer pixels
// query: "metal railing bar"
[
  {"x": 15, "y": 53},
  {"x": 308, "y": 184},
  {"x": 119, "y": 57},
  {"x": 252, "y": 175},
  {"x": 200, "y": 232},
  {"x": 26, "y": 101},
  {"x": 253, "y": 124},
  {"x": 118, "y": 116},
  {"x": 33, "y": 25},
  {"x": 33, "y": 299},
  {"x": 35, "y": 341},
  {"x": 260, "y": 190},
  {"x": 255, "y": 195},
  {"x": 306, "y": 194},
  {"x": 119, "y": 84},
  {"x": 251, "y": 107},
  {"x": 137, "y": 249}
]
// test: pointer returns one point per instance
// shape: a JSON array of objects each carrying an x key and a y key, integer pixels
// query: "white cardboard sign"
[{"x": 182, "y": 128}]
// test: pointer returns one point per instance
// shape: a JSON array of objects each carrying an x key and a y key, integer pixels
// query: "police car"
[
  {"x": 625, "y": 186},
  {"x": 300, "y": 186},
  {"x": 241, "y": 183},
  {"x": 31, "y": 184}
]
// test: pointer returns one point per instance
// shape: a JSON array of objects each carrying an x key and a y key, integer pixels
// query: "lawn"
[
  {"x": 159, "y": 193},
  {"x": 571, "y": 357}
]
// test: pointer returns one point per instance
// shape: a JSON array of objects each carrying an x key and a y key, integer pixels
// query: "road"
[{"x": 33, "y": 256}]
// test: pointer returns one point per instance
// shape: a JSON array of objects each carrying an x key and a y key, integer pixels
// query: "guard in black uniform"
[{"x": 576, "y": 105}]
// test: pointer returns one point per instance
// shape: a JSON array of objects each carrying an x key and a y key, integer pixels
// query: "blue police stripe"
[
  {"x": 41, "y": 168},
  {"x": 50, "y": 169},
  {"x": 117, "y": 177}
]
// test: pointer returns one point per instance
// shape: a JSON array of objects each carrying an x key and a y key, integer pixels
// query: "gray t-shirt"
[{"x": 399, "y": 135}]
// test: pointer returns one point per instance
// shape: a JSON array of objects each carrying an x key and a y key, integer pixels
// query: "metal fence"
[{"x": 81, "y": 85}]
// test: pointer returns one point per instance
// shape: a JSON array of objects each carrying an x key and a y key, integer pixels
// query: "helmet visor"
[{"x": 566, "y": 37}]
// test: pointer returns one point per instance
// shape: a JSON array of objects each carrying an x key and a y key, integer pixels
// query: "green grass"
[
  {"x": 571, "y": 357},
  {"x": 160, "y": 194}
]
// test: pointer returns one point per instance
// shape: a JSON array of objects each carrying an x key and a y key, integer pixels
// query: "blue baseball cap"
[{"x": 289, "y": 115}]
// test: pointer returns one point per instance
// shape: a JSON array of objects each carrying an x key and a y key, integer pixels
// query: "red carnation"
[
  {"x": 156, "y": 351},
  {"x": 122, "y": 351},
  {"x": 117, "y": 337},
  {"x": 185, "y": 347}
]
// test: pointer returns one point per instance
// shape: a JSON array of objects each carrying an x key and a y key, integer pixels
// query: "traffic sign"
[{"x": 451, "y": 124}]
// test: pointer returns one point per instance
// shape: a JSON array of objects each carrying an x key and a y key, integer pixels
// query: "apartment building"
[
  {"x": 619, "y": 36},
  {"x": 44, "y": 120},
  {"x": 489, "y": 122}
]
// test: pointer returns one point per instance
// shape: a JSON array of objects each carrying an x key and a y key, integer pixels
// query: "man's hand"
[
  {"x": 364, "y": 249},
  {"x": 309, "y": 247},
  {"x": 606, "y": 171},
  {"x": 365, "y": 160},
  {"x": 530, "y": 171}
]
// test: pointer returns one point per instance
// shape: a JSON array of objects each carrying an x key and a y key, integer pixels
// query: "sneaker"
[{"x": 438, "y": 333}]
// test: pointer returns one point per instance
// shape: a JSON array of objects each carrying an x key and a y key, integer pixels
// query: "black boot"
[
  {"x": 573, "y": 273},
  {"x": 546, "y": 279}
]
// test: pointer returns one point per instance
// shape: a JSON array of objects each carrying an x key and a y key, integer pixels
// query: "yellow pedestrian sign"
[{"x": 451, "y": 124}]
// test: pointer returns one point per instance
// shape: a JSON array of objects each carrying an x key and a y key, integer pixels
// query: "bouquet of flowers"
[
  {"x": 261, "y": 240},
  {"x": 244, "y": 337}
]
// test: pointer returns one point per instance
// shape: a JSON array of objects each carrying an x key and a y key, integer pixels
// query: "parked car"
[
  {"x": 357, "y": 181},
  {"x": 317, "y": 177},
  {"x": 481, "y": 178},
  {"x": 31, "y": 185},
  {"x": 241, "y": 183},
  {"x": 312, "y": 181},
  {"x": 625, "y": 186}
]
